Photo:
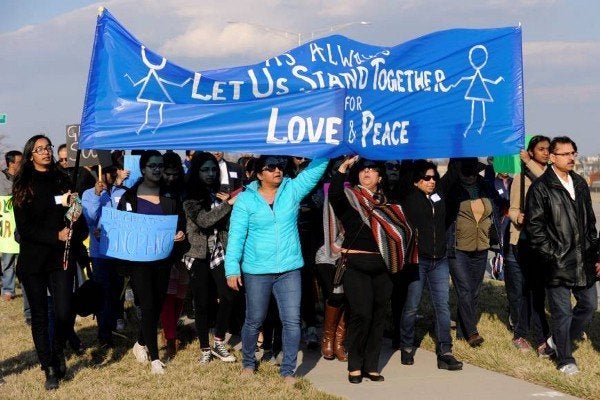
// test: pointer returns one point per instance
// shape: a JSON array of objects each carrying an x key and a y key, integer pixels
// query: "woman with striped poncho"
[{"x": 377, "y": 243}]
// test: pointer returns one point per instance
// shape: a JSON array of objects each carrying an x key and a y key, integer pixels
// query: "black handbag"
[{"x": 342, "y": 263}]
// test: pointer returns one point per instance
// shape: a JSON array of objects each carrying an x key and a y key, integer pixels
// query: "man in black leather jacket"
[{"x": 561, "y": 227}]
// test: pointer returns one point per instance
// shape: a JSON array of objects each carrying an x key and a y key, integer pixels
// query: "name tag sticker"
[
  {"x": 233, "y": 174},
  {"x": 435, "y": 197},
  {"x": 58, "y": 199},
  {"x": 128, "y": 207},
  {"x": 500, "y": 191}
]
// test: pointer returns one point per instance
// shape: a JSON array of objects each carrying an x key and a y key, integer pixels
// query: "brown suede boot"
[
  {"x": 332, "y": 316},
  {"x": 340, "y": 336}
]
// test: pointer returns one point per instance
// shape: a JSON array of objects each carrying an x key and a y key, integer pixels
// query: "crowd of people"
[{"x": 275, "y": 235}]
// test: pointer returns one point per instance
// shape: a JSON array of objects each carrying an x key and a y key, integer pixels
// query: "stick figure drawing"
[
  {"x": 478, "y": 91},
  {"x": 153, "y": 90}
]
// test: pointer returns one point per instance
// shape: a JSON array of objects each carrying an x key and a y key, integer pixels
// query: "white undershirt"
[{"x": 568, "y": 184}]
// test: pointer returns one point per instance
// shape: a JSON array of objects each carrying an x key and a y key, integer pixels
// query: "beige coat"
[{"x": 515, "y": 199}]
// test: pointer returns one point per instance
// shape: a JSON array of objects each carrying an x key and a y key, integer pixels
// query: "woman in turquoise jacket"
[{"x": 263, "y": 253}]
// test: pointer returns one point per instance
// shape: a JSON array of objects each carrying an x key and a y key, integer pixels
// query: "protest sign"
[
  {"x": 7, "y": 227},
  {"x": 136, "y": 237},
  {"x": 447, "y": 94},
  {"x": 132, "y": 164},
  {"x": 87, "y": 158}
]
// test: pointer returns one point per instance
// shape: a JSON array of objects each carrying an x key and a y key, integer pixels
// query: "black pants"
[
  {"x": 149, "y": 283},
  {"x": 532, "y": 314},
  {"x": 60, "y": 284},
  {"x": 325, "y": 273},
  {"x": 368, "y": 287},
  {"x": 201, "y": 279}
]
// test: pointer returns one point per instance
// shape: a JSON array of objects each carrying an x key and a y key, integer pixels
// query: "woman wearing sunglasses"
[
  {"x": 264, "y": 254},
  {"x": 377, "y": 242},
  {"x": 425, "y": 209}
]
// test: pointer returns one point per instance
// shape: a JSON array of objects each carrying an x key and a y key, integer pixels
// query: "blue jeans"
[
  {"x": 286, "y": 288},
  {"x": 568, "y": 323},
  {"x": 467, "y": 270},
  {"x": 435, "y": 274},
  {"x": 9, "y": 262}
]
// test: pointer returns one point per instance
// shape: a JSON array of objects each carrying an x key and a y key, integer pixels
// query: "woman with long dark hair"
[
  {"x": 207, "y": 212},
  {"x": 376, "y": 242},
  {"x": 150, "y": 279},
  {"x": 40, "y": 199}
]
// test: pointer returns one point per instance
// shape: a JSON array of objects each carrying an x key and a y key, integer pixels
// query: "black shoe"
[
  {"x": 60, "y": 365},
  {"x": 447, "y": 361},
  {"x": 407, "y": 357},
  {"x": 373, "y": 377},
  {"x": 355, "y": 378},
  {"x": 51, "y": 378}
]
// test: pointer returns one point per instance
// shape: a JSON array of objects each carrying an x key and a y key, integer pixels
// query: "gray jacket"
[
  {"x": 200, "y": 224},
  {"x": 6, "y": 183}
]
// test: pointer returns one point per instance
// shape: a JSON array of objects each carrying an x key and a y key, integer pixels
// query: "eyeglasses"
[
  {"x": 273, "y": 167},
  {"x": 567, "y": 154},
  {"x": 155, "y": 166},
  {"x": 427, "y": 178},
  {"x": 42, "y": 149},
  {"x": 63, "y": 159},
  {"x": 209, "y": 169}
]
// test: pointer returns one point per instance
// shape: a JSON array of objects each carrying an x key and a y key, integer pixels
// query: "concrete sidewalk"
[{"x": 419, "y": 381}]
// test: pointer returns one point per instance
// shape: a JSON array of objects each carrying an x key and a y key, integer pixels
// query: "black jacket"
[
  {"x": 39, "y": 221},
  {"x": 562, "y": 230}
]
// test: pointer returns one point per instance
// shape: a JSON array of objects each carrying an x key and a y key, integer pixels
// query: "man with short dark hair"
[
  {"x": 9, "y": 260},
  {"x": 561, "y": 227}
]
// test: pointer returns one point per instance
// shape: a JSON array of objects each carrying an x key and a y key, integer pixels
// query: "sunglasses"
[
  {"x": 63, "y": 159},
  {"x": 273, "y": 167},
  {"x": 427, "y": 178}
]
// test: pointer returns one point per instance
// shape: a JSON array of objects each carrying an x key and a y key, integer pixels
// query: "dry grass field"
[{"x": 114, "y": 374}]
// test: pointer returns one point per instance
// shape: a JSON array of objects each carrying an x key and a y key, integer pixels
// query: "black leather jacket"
[{"x": 562, "y": 230}]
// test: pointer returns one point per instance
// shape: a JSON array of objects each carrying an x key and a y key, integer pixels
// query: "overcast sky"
[{"x": 45, "y": 49}]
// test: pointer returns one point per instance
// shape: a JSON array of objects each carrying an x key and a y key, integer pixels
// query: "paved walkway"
[{"x": 420, "y": 381}]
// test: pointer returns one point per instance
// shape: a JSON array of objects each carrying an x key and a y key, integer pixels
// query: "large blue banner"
[{"x": 448, "y": 94}]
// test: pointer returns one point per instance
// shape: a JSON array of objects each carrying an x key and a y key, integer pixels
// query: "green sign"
[{"x": 2, "y": 118}]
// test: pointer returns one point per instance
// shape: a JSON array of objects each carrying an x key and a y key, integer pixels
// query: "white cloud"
[
  {"x": 565, "y": 94},
  {"x": 562, "y": 54}
]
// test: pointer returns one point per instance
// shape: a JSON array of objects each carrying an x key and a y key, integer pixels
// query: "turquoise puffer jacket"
[{"x": 265, "y": 240}]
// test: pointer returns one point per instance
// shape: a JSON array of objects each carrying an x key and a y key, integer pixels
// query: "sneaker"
[
  {"x": 521, "y": 345},
  {"x": 120, "y": 325},
  {"x": 157, "y": 367},
  {"x": 140, "y": 352},
  {"x": 569, "y": 369},
  {"x": 311, "y": 338},
  {"x": 205, "y": 356},
  {"x": 545, "y": 351},
  {"x": 220, "y": 351}
]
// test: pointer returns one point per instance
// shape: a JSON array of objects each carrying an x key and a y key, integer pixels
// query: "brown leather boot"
[
  {"x": 332, "y": 316},
  {"x": 340, "y": 336}
]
